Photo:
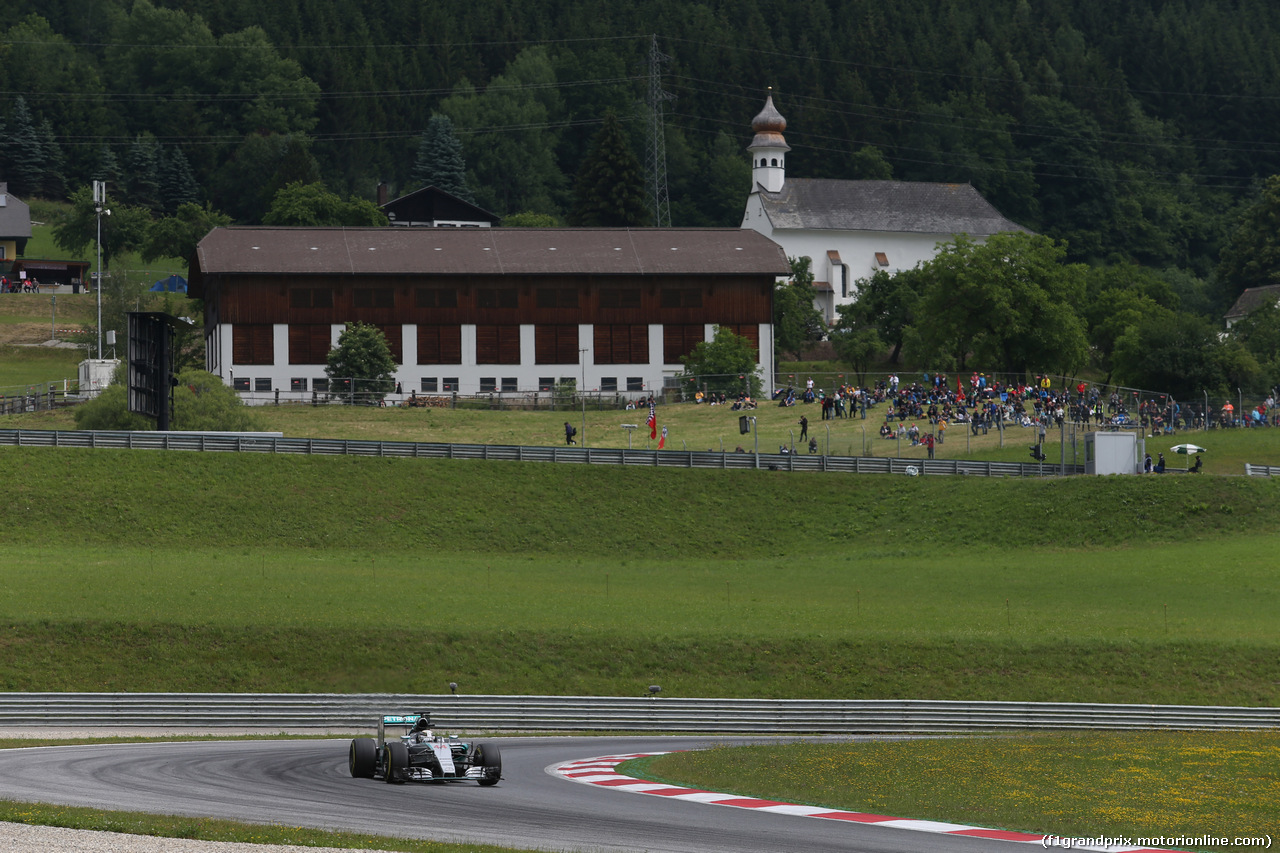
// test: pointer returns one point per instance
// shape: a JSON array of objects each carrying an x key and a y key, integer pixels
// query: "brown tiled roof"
[{"x": 487, "y": 251}]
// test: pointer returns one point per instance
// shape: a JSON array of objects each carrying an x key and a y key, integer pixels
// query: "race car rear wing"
[{"x": 395, "y": 720}]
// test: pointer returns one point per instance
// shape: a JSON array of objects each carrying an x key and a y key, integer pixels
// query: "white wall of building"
[{"x": 265, "y": 380}]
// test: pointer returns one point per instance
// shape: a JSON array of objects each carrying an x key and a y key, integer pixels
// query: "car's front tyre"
[
  {"x": 397, "y": 762},
  {"x": 488, "y": 756},
  {"x": 363, "y": 759}
]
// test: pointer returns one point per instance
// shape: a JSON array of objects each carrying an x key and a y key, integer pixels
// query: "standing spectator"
[
  {"x": 569, "y": 432},
  {"x": 804, "y": 427},
  {"x": 928, "y": 443}
]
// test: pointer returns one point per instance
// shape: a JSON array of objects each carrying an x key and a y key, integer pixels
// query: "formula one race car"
[{"x": 422, "y": 756}]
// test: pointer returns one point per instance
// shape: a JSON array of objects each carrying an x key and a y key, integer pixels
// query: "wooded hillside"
[{"x": 1134, "y": 131}]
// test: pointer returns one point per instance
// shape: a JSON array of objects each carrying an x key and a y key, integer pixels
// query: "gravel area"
[{"x": 20, "y": 838}]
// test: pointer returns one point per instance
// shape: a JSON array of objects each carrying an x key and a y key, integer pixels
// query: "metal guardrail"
[
  {"x": 211, "y": 443},
  {"x": 294, "y": 712},
  {"x": 1261, "y": 470}
]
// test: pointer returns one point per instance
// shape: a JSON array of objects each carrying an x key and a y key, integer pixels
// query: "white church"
[{"x": 851, "y": 229}]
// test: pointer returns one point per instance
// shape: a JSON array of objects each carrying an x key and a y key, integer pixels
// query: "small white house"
[{"x": 851, "y": 229}]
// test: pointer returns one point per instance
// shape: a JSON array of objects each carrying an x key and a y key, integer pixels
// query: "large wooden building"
[{"x": 479, "y": 310}]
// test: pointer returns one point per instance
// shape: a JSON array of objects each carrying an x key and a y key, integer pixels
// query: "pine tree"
[
  {"x": 53, "y": 183},
  {"x": 610, "y": 189},
  {"x": 142, "y": 173},
  {"x": 440, "y": 163},
  {"x": 177, "y": 182},
  {"x": 107, "y": 167},
  {"x": 24, "y": 154}
]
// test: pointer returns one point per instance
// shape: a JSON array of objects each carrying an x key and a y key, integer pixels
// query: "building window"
[
  {"x": 430, "y": 384},
  {"x": 635, "y": 383},
  {"x": 555, "y": 344},
  {"x": 320, "y": 384},
  {"x": 557, "y": 297},
  {"x": 436, "y": 297},
  {"x": 375, "y": 297},
  {"x": 297, "y": 384},
  {"x": 309, "y": 344},
  {"x": 546, "y": 383},
  {"x": 451, "y": 383},
  {"x": 678, "y": 340},
  {"x": 488, "y": 384},
  {"x": 619, "y": 344},
  {"x": 609, "y": 383},
  {"x": 394, "y": 335},
  {"x": 497, "y": 344},
  {"x": 681, "y": 297},
  {"x": 619, "y": 297},
  {"x": 882, "y": 259},
  {"x": 262, "y": 384},
  {"x": 240, "y": 384},
  {"x": 253, "y": 344},
  {"x": 439, "y": 344},
  {"x": 498, "y": 297},
  {"x": 311, "y": 297},
  {"x": 509, "y": 385}
]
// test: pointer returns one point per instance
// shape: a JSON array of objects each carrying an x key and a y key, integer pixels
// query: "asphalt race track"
[{"x": 306, "y": 783}]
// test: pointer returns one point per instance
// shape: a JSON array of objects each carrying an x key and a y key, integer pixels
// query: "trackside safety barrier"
[
  {"x": 1261, "y": 470},
  {"x": 211, "y": 443},
  {"x": 576, "y": 713}
]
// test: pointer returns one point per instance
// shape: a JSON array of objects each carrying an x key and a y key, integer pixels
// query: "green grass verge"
[
  {"x": 1078, "y": 784},
  {"x": 211, "y": 829}
]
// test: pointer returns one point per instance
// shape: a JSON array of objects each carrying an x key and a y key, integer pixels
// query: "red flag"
[
  {"x": 653, "y": 422},
  {"x": 662, "y": 440}
]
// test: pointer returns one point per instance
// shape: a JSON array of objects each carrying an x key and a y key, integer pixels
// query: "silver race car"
[{"x": 420, "y": 755}]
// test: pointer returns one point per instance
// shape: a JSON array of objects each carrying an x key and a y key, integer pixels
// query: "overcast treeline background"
[{"x": 1136, "y": 133}]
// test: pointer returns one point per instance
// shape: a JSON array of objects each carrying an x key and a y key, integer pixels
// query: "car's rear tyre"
[
  {"x": 364, "y": 758},
  {"x": 489, "y": 757},
  {"x": 397, "y": 761}
]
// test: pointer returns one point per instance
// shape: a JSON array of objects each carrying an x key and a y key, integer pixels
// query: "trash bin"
[{"x": 75, "y": 287}]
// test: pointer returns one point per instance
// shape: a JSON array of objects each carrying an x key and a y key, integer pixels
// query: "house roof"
[
  {"x": 901, "y": 206},
  {"x": 486, "y": 251},
  {"x": 15, "y": 217},
  {"x": 432, "y": 203},
  {"x": 1252, "y": 299}
]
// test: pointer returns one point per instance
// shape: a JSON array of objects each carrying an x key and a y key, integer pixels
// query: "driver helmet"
[{"x": 423, "y": 724}]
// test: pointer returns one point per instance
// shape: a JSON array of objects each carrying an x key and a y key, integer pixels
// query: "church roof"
[
  {"x": 768, "y": 127},
  {"x": 1252, "y": 299},
  {"x": 902, "y": 206}
]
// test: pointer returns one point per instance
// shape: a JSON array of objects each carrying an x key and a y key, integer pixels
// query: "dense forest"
[{"x": 1138, "y": 133}]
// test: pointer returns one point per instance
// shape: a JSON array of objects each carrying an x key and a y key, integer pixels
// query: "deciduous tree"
[{"x": 363, "y": 359}]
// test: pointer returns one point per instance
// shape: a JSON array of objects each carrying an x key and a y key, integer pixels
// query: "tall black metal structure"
[
  {"x": 656, "y": 147},
  {"x": 150, "y": 353}
]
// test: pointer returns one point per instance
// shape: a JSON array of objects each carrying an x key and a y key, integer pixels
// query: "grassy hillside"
[{"x": 174, "y": 571}]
